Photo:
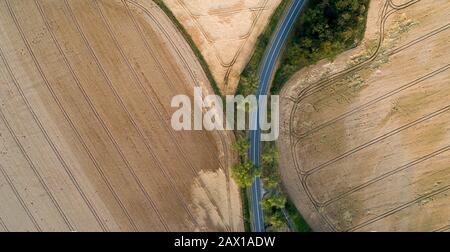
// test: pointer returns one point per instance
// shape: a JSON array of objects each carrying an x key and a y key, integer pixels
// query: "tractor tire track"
[
  {"x": 22, "y": 149},
  {"x": 443, "y": 229},
  {"x": 196, "y": 84},
  {"x": 78, "y": 134},
  {"x": 141, "y": 134},
  {"x": 3, "y": 225},
  {"x": 385, "y": 14},
  {"x": 41, "y": 127},
  {"x": 35, "y": 171},
  {"x": 383, "y": 176},
  {"x": 105, "y": 76},
  {"x": 400, "y": 208},
  {"x": 20, "y": 199},
  {"x": 372, "y": 102},
  {"x": 308, "y": 174},
  {"x": 168, "y": 129},
  {"x": 375, "y": 140},
  {"x": 327, "y": 81}
]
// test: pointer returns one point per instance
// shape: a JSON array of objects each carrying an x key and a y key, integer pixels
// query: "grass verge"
[
  {"x": 300, "y": 224},
  {"x": 245, "y": 210}
]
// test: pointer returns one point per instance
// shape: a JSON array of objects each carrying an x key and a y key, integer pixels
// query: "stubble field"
[
  {"x": 85, "y": 136},
  {"x": 365, "y": 138},
  {"x": 225, "y": 32}
]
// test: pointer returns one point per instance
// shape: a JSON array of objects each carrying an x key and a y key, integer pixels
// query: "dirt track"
[
  {"x": 86, "y": 142},
  {"x": 365, "y": 138}
]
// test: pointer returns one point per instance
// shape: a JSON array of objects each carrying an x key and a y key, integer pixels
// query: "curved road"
[{"x": 265, "y": 77}]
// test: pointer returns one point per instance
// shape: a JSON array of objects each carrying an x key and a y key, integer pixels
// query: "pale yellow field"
[
  {"x": 225, "y": 31},
  {"x": 85, "y": 136},
  {"x": 365, "y": 143}
]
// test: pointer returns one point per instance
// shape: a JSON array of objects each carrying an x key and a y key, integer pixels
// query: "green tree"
[
  {"x": 272, "y": 202},
  {"x": 243, "y": 174},
  {"x": 271, "y": 182},
  {"x": 276, "y": 220},
  {"x": 249, "y": 84},
  {"x": 269, "y": 169},
  {"x": 325, "y": 29},
  {"x": 242, "y": 145},
  {"x": 270, "y": 157}
]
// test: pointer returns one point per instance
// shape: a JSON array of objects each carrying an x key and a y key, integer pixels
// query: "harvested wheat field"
[
  {"x": 85, "y": 136},
  {"x": 365, "y": 142},
  {"x": 225, "y": 31}
]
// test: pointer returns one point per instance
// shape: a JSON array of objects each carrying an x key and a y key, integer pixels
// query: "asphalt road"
[{"x": 265, "y": 77}]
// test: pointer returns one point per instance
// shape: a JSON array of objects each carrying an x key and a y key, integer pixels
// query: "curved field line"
[
  {"x": 370, "y": 143},
  {"x": 109, "y": 83},
  {"x": 80, "y": 138},
  {"x": 385, "y": 14},
  {"x": 41, "y": 127},
  {"x": 183, "y": 59},
  {"x": 221, "y": 12},
  {"x": 168, "y": 127},
  {"x": 443, "y": 229},
  {"x": 380, "y": 98},
  {"x": 140, "y": 132},
  {"x": 370, "y": 103},
  {"x": 3, "y": 225},
  {"x": 22, "y": 149},
  {"x": 185, "y": 64},
  {"x": 420, "y": 39},
  {"x": 35, "y": 171},
  {"x": 164, "y": 114},
  {"x": 193, "y": 17},
  {"x": 383, "y": 176},
  {"x": 374, "y": 140},
  {"x": 399, "y": 6},
  {"x": 211, "y": 41},
  {"x": 442, "y": 69},
  {"x": 233, "y": 61},
  {"x": 400, "y": 208},
  {"x": 401, "y": 168},
  {"x": 211, "y": 12},
  {"x": 196, "y": 84},
  {"x": 20, "y": 199},
  {"x": 344, "y": 155},
  {"x": 328, "y": 80}
]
